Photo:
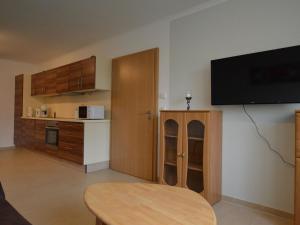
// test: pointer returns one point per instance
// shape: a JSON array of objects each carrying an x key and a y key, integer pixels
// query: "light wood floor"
[{"x": 49, "y": 191}]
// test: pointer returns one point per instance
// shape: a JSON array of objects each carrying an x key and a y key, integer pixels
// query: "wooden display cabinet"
[
  {"x": 297, "y": 169},
  {"x": 190, "y": 146}
]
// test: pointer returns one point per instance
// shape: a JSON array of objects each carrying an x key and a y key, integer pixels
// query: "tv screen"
[{"x": 268, "y": 77}]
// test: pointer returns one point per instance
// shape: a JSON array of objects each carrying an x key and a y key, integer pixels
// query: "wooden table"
[{"x": 147, "y": 204}]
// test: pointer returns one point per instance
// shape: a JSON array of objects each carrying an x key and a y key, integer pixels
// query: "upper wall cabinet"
[{"x": 85, "y": 75}]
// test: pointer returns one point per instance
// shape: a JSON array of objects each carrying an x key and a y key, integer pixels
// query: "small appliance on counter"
[
  {"x": 91, "y": 112},
  {"x": 37, "y": 112},
  {"x": 44, "y": 111}
]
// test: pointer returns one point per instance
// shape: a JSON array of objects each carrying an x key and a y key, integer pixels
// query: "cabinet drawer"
[
  {"x": 70, "y": 127},
  {"x": 72, "y": 148},
  {"x": 76, "y": 139},
  {"x": 71, "y": 157}
]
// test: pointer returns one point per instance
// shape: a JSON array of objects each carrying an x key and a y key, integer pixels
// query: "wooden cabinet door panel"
[
  {"x": 75, "y": 138},
  {"x": 71, "y": 138},
  {"x": 168, "y": 157},
  {"x": 28, "y": 133},
  {"x": 38, "y": 84},
  {"x": 89, "y": 73},
  {"x": 73, "y": 148},
  {"x": 195, "y": 161},
  {"x": 18, "y": 137},
  {"x": 62, "y": 79},
  {"x": 297, "y": 192},
  {"x": 18, "y": 109},
  {"x": 297, "y": 134},
  {"x": 70, "y": 156},
  {"x": 49, "y": 82},
  {"x": 40, "y": 135},
  {"x": 75, "y": 76}
]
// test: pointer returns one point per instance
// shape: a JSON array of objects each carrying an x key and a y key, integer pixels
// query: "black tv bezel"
[{"x": 250, "y": 102}]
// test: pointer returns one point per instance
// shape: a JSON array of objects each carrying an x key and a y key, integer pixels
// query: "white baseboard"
[
  {"x": 96, "y": 166},
  {"x": 276, "y": 212}
]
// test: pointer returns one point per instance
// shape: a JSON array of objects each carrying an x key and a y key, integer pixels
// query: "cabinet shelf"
[
  {"x": 195, "y": 167},
  {"x": 170, "y": 163},
  {"x": 196, "y": 138},
  {"x": 170, "y": 136}
]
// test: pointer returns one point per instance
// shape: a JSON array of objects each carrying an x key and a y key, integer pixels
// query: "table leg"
[{"x": 99, "y": 222}]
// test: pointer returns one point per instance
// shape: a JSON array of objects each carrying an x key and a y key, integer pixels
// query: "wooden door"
[
  {"x": 195, "y": 154},
  {"x": 134, "y": 114},
  {"x": 171, "y": 124}
]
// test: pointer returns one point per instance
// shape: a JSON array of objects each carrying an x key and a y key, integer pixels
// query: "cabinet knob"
[{"x": 181, "y": 155}]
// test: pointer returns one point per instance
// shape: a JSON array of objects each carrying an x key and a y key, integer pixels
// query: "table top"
[{"x": 147, "y": 204}]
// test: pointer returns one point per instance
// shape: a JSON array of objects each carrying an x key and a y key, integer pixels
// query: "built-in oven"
[{"x": 52, "y": 134}]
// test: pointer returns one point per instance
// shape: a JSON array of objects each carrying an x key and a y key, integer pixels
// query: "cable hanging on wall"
[{"x": 266, "y": 140}]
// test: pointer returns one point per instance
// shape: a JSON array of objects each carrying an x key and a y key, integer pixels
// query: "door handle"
[{"x": 149, "y": 114}]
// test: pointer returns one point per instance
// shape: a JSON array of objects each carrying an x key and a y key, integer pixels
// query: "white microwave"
[{"x": 91, "y": 112}]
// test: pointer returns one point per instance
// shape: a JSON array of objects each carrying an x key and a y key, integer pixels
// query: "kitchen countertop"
[{"x": 67, "y": 120}]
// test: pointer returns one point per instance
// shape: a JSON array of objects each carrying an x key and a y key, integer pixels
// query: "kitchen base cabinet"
[
  {"x": 84, "y": 142},
  {"x": 40, "y": 135},
  {"x": 28, "y": 134},
  {"x": 70, "y": 143},
  {"x": 190, "y": 151},
  {"x": 19, "y": 80}
]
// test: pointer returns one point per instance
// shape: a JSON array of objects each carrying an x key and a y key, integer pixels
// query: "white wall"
[
  {"x": 8, "y": 70},
  {"x": 250, "y": 171},
  {"x": 147, "y": 37}
]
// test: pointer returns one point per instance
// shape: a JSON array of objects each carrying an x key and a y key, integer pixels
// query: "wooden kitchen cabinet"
[
  {"x": 75, "y": 77},
  {"x": 71, "y": 137},
  {"x": 297, "y": 170},
  {"x": 18, "y": 109},
  {"x": 43, "y": 83},
  {"x": 40, "y": 135},
  {"x": 28, "y": 133},
  {"x": 62, "y": 79},
  {"x": 37, "y": 84},
  {"x": 70, "y": 144},
  {"x": 50, "y": 82},
  {"x": 82, "y": 75},
  {"x": 190, "y": 146}
]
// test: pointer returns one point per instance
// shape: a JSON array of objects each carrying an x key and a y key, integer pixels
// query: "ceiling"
[{"x": 38, "y": 30}]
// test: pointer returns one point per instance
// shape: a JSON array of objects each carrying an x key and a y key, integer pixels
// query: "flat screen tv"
[{"x": 269, "y": 77}]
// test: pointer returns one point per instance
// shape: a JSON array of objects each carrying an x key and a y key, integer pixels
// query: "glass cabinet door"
[
  {"x": 170, "y": 152},
  {"x": 195, "y": 141}
]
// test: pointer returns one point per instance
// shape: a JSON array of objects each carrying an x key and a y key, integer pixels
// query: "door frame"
[{"x": 155, "y": 113}]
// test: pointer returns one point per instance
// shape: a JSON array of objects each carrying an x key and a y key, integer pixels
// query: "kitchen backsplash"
[{"x": 65, "y": 105}]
